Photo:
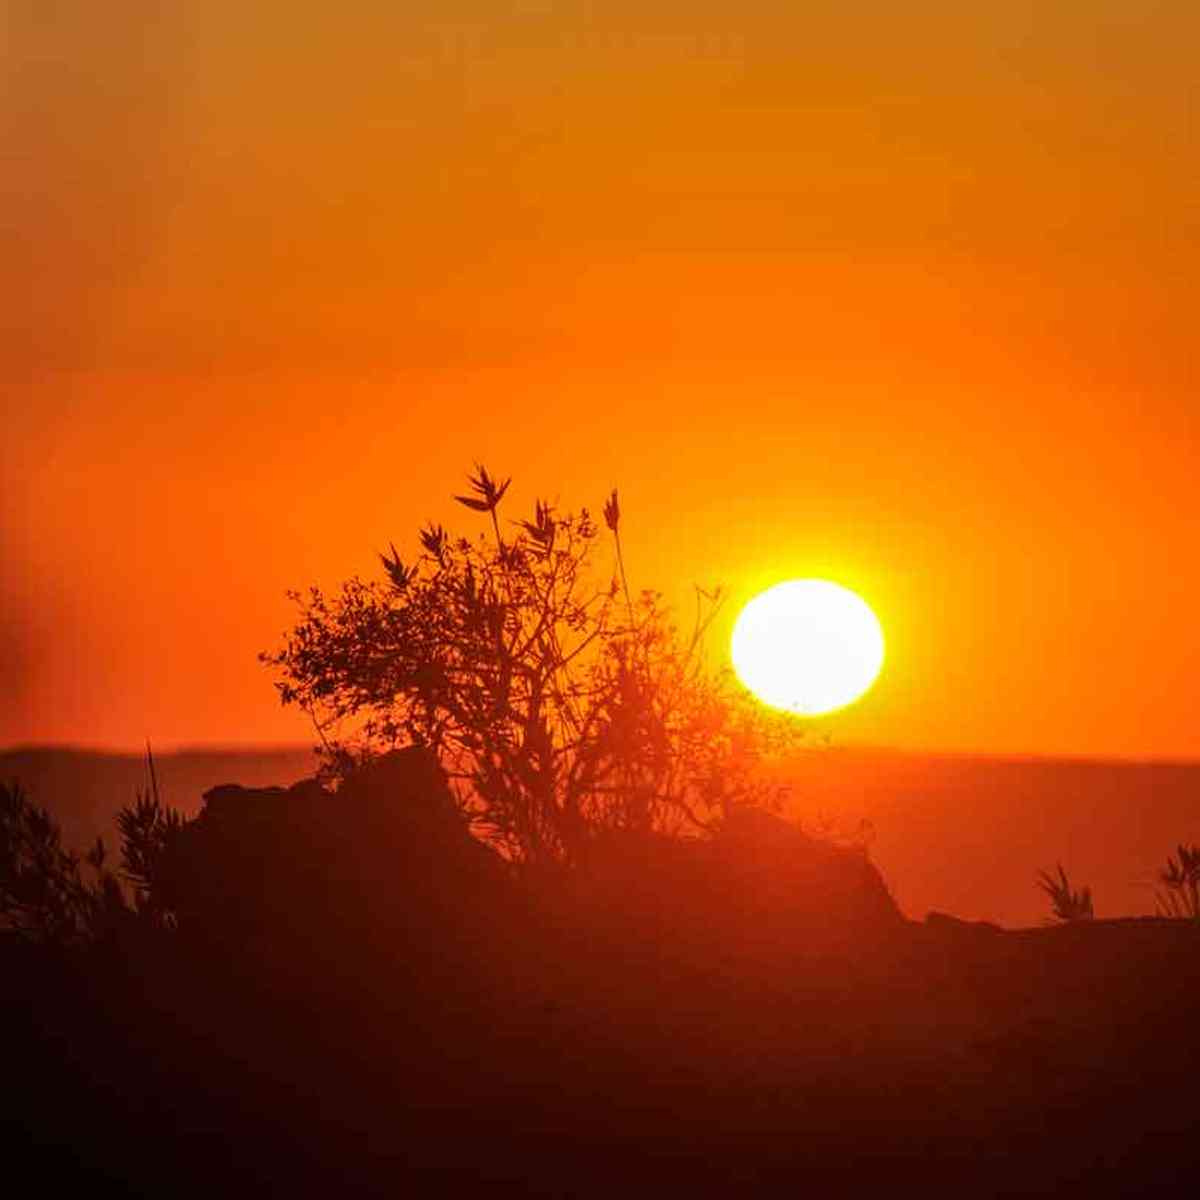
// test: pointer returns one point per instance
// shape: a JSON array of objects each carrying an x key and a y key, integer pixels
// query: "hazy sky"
[{"x": 904, "y": 294}]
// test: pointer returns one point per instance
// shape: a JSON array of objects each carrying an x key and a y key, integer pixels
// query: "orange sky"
[{"x": 900, "y": 294}]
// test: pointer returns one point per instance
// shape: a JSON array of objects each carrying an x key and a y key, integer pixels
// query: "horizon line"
[{"x": 866, "y": 748}]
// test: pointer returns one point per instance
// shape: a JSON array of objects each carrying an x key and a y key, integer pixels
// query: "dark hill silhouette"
[{"x": 359, "y": 999}]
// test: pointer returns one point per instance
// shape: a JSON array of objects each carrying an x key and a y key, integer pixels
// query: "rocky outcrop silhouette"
[
  {"x": 775, "y": 871},
  {"x": 384, "y": 864},
  {"x": 390, "y": 849},
  {"x": 759, "y": 891}
]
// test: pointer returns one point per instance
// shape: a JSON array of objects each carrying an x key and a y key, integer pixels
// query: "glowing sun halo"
[{"x": 808, "y": 646}]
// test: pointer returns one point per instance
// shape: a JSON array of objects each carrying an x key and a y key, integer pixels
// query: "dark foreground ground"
[
  {"x": 358, "y": 1006},
  {"x": 1049, "y": 1062}
]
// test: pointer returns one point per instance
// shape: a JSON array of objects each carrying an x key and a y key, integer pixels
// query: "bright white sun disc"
[{"x": 808, "y": 646}]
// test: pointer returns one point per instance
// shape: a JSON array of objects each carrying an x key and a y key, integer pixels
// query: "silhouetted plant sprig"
[
  {"x": 149, "y": 831},
  {"x": 488, "y": 491},
  {"x": 612, "y": 518},
  {"x": 1066, "y": 903},
  {"x": 397, "y": 572},
  {"x": 1179, "y": 895},
  {"x": 488, "y": 494},
  {"x": 542, "y": 528}
]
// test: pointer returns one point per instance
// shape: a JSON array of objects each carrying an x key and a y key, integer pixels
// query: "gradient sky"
[{"x": 900, "y": 294}]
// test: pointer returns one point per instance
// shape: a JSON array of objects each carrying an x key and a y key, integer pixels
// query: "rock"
[
  {"x": 386, "y": 856},
  {"x": 761, "y": 889},
  {"x": 771, "y": 866}
]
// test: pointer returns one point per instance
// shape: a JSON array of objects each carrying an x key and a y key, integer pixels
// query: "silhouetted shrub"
[
  {"x": 44, "y": 892},
  {"x": 51, "y": 894},
  {"x": 558, "y": 705}
]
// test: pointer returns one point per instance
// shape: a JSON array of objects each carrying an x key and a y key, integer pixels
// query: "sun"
[{"x": 808, "y": 646}]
